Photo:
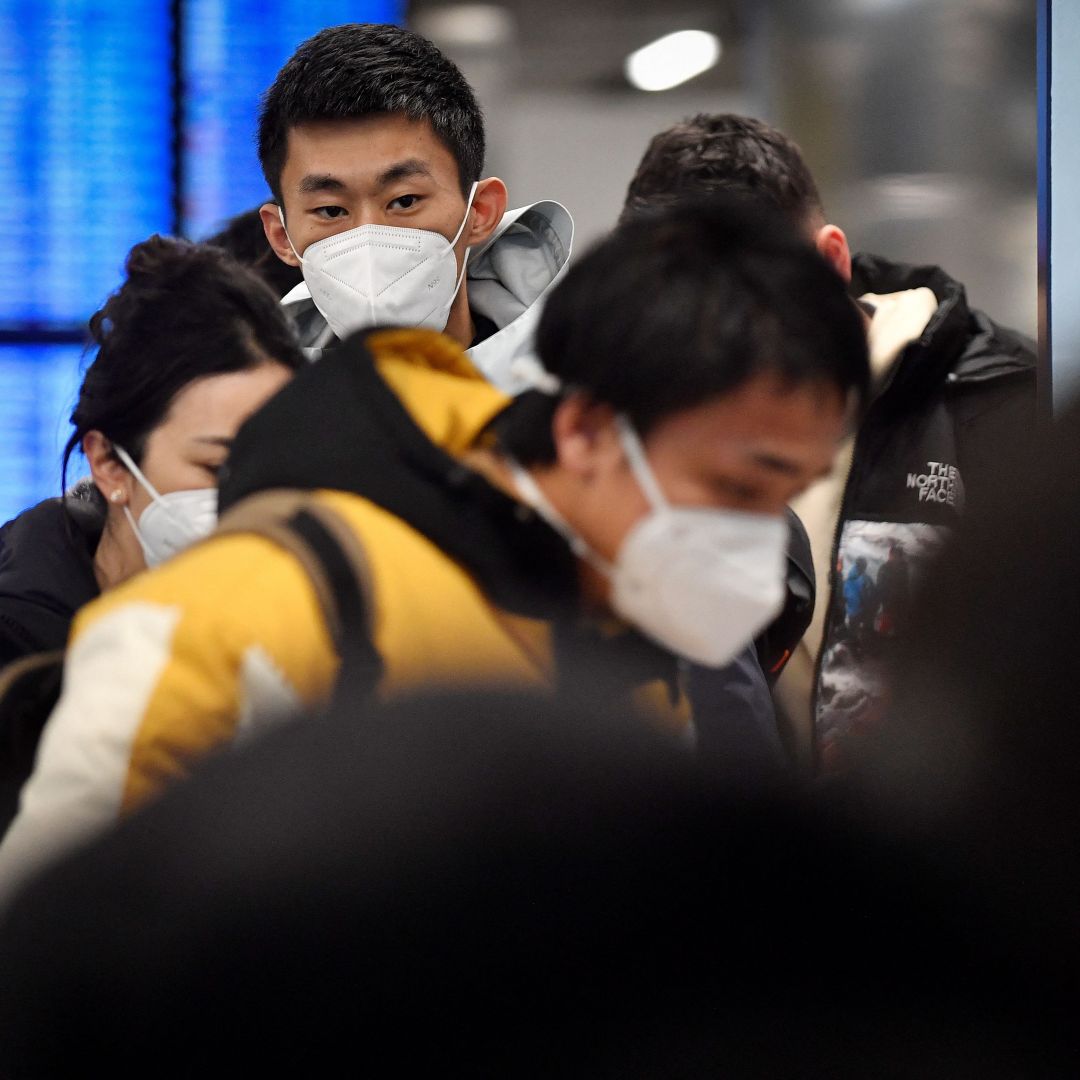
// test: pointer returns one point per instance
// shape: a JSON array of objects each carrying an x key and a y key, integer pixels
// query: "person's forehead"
[
  {"x": 790, "y": 435},
  {"x": 359, "y": 151},
  {"x": 764, "y": 411},
  {"x": 219, "y": 401}
]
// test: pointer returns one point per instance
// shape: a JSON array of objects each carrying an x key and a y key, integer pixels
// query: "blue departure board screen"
[
  {"x": 89, "y": 138},
  {"x": 39, "y": 385},
  {"x": 85, "y": 150},
  {"x": 233, "y": 49}
]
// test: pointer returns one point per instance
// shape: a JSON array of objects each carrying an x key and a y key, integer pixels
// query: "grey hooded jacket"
[{"x": 508, "y": 279}]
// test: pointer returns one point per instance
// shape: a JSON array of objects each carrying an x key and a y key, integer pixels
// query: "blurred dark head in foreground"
[{"x": 510, "y": 886}]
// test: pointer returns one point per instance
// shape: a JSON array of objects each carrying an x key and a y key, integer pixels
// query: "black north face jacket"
[{"x": 955, "y": 416}]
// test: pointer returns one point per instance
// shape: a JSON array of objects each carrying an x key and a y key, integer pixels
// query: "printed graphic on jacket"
[{"x": 877, "y": 568}]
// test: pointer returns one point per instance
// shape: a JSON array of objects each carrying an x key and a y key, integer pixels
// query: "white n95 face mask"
[
  {"x": 701, "y": 582},
  {"x": 382, "y": 275},
  {"x": 171, "y": 522}
]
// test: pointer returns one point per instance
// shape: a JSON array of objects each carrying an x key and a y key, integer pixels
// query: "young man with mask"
[
  {"x": 954, "y": 409},
  {"x": 699, "y": 371},
  {"x": 373, "y": 145}
]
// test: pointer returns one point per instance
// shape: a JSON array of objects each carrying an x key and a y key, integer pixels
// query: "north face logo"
[{"x": 941, "y": 483}]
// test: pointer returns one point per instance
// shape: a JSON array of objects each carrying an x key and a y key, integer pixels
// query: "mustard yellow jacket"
[{"x": 463, "y": 587}]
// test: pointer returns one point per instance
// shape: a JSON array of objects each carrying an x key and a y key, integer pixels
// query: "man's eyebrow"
[
  {"x": 777, "y": 464},
  {"x": 402, "y": 170},
  {"x": 315, "y": 182}
]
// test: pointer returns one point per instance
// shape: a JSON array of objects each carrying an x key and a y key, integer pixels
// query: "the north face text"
[{"x": 940, "y": 483}]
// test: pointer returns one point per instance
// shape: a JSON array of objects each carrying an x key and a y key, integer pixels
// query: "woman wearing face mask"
[{"x": 188, "y": 347}]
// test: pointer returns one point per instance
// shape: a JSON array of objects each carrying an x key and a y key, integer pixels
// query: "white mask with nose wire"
[
  {"x": 700, "y": 581},
  {"x": 173, "y": 521},
  {"x": 383, "y": 275}
]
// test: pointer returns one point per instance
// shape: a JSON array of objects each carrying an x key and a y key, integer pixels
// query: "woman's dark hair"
[
  {"x": 684, "y": 305},
  {"x": 368, "y": 69},
  {"x": 186, "y": 311}
]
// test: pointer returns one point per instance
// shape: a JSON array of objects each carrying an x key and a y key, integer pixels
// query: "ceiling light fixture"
[
  {"x": 672, "y": 59},
  {"x": 468, "y": 25}
]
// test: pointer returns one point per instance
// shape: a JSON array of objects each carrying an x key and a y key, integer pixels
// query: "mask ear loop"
[
  {"x": 639, "y": 463},
  {"x": 531, "y": 493},
  {"x": 468, "y": 207},
  {"x": 281, "y": 218},
  {"x": 135, "y": 471},
  {"x": 457, "y": 237},
  {"x": 536, "y": 377}
]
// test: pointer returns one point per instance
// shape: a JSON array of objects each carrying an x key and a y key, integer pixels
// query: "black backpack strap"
[{"x": 361, "y": 665}]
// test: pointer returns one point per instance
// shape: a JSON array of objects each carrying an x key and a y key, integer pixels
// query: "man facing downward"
[
  {"x": 952, "y": 413},
  {"x": 699, "y": 371}
]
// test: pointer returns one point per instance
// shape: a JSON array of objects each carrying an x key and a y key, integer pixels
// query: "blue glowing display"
[
  {"x": 88, "y": 143},
  {"x": 86, "y": 159},
  {"x": 232, "y": 51},
  {"x": 39, "y": 385}
]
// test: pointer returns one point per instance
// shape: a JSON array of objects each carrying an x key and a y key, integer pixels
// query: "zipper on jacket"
[
  {"x": 815, "y": 749},
  {"x": 856, "y": 469}
]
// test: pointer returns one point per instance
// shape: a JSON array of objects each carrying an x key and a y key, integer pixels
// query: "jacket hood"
[
  {"x": 47, "y": 570},
  {"x": 508, "y": 278},
  {"x": 959, "y": 344},
  {"x": 388, "y": 416}
]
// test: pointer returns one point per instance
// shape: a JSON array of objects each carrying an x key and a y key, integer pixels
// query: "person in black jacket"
[
  {"x": 188, "y": 347},
  {"x": 953, "y": 409}
]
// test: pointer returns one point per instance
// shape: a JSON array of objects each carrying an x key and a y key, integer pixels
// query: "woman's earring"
[{"x": 117, "y": 495}]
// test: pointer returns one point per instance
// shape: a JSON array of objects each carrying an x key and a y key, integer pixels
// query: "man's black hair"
[
  {"x": 722, "y": 153},
  {"x": 683, "y": 306},
  {"x": 244, "y": 238},
  {"x": 367, "y": 69}
]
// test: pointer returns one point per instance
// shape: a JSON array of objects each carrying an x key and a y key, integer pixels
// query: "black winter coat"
[
  {"x": 46, "y": 574},
  {"x": 956, "y": 416}
]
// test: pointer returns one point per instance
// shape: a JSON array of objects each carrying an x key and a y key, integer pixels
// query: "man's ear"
[
  {"x": 488, "y": 207},
  {"x": 586, "y": 442},
  {"x": 833, "y": 247},
  {"x": 108, "y": 471},
  {"x": 276, "y": 235}
]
